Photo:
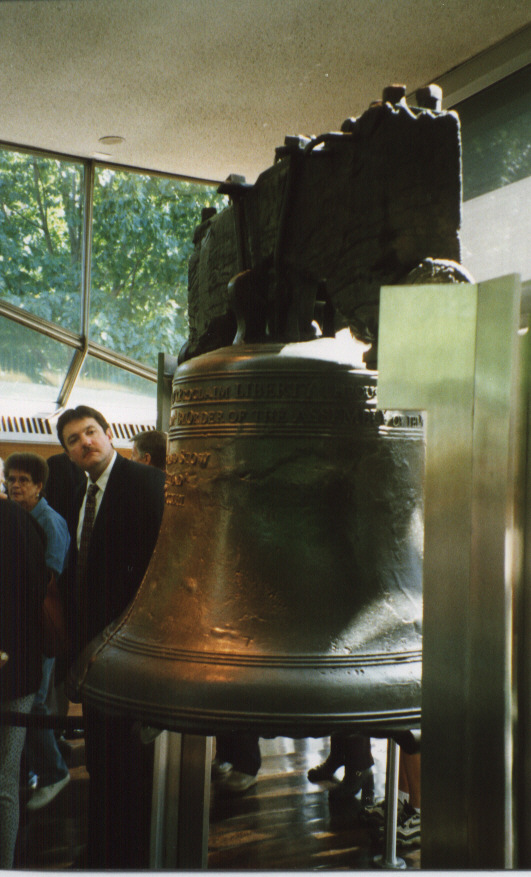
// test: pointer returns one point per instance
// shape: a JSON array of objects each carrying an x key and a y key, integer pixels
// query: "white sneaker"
[
  {"x": 236, "y": 783},
  {"x": 220, "y": 769},
  {"x": 41, "y": 797}
]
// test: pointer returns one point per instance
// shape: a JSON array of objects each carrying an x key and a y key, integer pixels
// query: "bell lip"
[
  {"x": 209, "y": 723},
  {"x": 118, "y": 683}
]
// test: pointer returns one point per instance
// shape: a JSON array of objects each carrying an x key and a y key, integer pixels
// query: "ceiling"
[{"x": 206, "y": 88}]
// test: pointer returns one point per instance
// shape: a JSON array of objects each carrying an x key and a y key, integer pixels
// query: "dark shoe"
[
  {"x": 375, "y": 815},
  {"x": 236, "y": 783},
  {"x": 322, "y": 772},
  {"x": 349, "y": 787}
]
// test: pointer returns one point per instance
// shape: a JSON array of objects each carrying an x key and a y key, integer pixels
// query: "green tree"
[
  {"x": 40, "y": 236},
  {"x": 142, "y": 238},
  {"x": 142, "y": 241}
]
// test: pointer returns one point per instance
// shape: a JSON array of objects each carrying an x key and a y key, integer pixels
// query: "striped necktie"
[{"x": 86, "y": 531}]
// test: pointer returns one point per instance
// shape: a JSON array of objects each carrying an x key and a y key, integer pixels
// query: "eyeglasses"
[{"x": 21, "y": 479}]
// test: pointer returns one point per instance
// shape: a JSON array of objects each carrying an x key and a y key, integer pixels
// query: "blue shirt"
[{"x": 57, "y": 535}]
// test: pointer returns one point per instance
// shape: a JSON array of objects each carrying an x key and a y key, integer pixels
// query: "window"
[
  {"x": 32, "y": 370},
  {"x": 70, "y": 335},
  {"x": 496, "y": 137},
  {"x": 120, "y": 395}
]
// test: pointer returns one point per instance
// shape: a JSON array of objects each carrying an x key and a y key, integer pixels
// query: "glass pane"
[
  {"x": 41, "y": 210},
  {"x": 32, "y": 369},
  {"x": 496, "y": 135},
  {"x": 121, "y": 397},
  {"x": 142, "y": 240}
]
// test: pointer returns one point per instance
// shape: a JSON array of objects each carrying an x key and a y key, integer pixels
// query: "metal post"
[
  {"x": 166, "y": 366},
  {"x": 181, "y": 801},
  {"x": 389, "y": 859}
]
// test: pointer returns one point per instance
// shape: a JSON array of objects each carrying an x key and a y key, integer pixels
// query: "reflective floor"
[
  {"x": 286, "y": 823},
  {"x": 282, "y": 823}
]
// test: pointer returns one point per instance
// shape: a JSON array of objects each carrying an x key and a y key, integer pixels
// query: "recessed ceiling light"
[
  {"x": 101, "y": 155},
  {"x": 111, "y": 139}
]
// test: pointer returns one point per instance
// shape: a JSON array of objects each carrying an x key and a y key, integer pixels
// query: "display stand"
[{"x": 456, "y": 352}]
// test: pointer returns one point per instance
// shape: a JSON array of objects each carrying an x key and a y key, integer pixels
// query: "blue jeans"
[{"x": 42, "y": 754}]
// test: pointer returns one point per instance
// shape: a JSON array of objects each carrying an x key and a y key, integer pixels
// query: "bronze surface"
[{"x": 285, "y": 590}]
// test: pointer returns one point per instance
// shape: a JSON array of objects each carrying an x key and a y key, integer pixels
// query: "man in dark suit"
[{"x": 123, "y": 502}]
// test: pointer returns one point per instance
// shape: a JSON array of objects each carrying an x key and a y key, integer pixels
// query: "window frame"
[{"x": 79, "y": 341}]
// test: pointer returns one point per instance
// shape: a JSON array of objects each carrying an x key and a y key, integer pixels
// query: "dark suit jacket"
[
  {"x": 23, "y": 582},
  {"x": 124, "y": 536}
]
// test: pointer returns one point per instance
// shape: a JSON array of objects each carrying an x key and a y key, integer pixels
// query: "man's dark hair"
[
  {"x": 79, "y": 413},
  {"x": 152, "y": 442},
  {"x": 32, "y": 464}
]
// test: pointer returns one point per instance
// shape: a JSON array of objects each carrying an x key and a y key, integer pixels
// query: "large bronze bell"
[{"x": 285, "y": 591}]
